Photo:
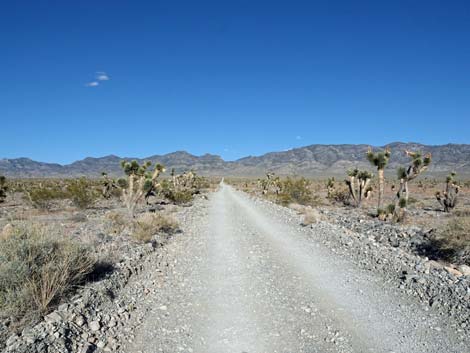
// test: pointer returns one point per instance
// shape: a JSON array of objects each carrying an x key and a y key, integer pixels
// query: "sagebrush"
[
  {"x": 150, "y": 224},
  {"x": 38, "y": 268}
]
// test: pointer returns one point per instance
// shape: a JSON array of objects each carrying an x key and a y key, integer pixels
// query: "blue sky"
[{"x": 233, "y": 78}]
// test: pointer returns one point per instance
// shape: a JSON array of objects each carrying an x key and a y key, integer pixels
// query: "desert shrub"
[
  {"x": 462, "y": 213},
  {"x": 451, "y": 242},
  {"x": 455, "y": 240},
  {"x": 3, "y": 188},
  {"x": 117, "y": 222},
  {"x": 296, "y": 191},
  {"x": 15, "y": 185},
  {"x": 82, "y": 193},
  {"x": 180, "y": 188},
  {"x": 149, "y": 224},
  {"x": 42, "y": 197},
  {"x": 311, "y": 216},
  {"x": 340, "y": 196},
  {"x": 38, "y": 267},
  {"x": 179, "y": 197},
  {"x": 201, "y": 183}
]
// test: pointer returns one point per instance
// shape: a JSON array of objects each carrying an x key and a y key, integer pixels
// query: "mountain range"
[{"x": 313, "y": 161}]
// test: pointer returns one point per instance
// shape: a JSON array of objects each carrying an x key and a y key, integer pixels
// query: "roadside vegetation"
[
  {"x": 410, "y": 198},
  {"x": 56, "y": 234},
  {"x": 148, "y": 224},
  {"x": 450, "y": 242},
  {"x": 38, "y": 267}
]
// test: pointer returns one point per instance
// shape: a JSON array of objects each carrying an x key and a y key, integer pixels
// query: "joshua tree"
[
  {"x": 418, "y": 165},
  {"x": 138, "y": 183},
  {"x": 271, "y": 182},
  {"x": 108, "y": 186},
  {"x": 358, "y": 184},
  {"x": 185, "y": 181},
  {"x": 379, "y": 160},
  {"x": 448, "y": 198},
  {"x": 3, "y": 188},
  {"x": 330, "y": 187}
]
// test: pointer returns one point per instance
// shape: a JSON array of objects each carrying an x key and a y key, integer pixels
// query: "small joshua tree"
[
  {"x": 138, "y": 183},
  {"x": 358, "y": 184},
  {"x": 108, "y": 186},
  {"x": 379, "y": 160},
  {"x": 448, "y": 198},
  {"x": 185, "y": 181},
  {"x": 3, "y": 188},
  {"x": 181, "y": 188},
  {"x": 330, "y": 187},
  {"x": 271, "y": 182},
  {"x": 418, "y": 165}
]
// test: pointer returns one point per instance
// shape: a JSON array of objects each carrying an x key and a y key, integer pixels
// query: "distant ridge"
[{"x": 314, "y": 160}]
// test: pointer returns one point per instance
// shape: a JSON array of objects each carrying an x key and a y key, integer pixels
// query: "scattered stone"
[
  {"x": 453, "y": 271},
  {"x": 80, "y": 320},
  {"x": 464, "y": 269},
  {"x": 53, "y": 317}
]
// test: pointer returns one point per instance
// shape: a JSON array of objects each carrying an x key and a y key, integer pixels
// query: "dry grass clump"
[
  {"x": 454, "y": 239},
  {"x": 451, "y": 242},
  {"x": 117, "y": 222},
  {"x": 310, "y": 215},
  {"x": 38, "y": 267},
  {"x": 149, "y": 224},
  {"x": 462, "y": 213}
]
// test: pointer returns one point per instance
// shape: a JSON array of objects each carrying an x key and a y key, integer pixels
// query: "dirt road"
[{"x": 243, "y": 279}]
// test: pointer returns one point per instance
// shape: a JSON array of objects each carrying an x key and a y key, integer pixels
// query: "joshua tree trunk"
[
  {"x": 407, "y": 192},
  {"x": 400, "y": 208},
  {"x": 381, "y": 188},
  {"x": 358, "y": 185},
  {"x": 380, "y": 161}
]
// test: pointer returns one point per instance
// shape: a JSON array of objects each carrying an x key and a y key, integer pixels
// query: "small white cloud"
[
  {"x": 298, "y": 137},
  {"x": 102, "y": 76},
  {"x": 92, "y": 84}
]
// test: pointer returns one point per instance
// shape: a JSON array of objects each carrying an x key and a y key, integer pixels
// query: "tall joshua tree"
[
  {"x": 418, "y": 165},
  {"x": 379, "y": 160}
]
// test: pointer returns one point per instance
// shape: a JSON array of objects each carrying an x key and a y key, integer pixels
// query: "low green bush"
[
  {"x": 82, "y": 193},
  {"x": 296, "y": 191},
  {"x": 3, "y": 188},
  {"x": 42, "y": 197}
]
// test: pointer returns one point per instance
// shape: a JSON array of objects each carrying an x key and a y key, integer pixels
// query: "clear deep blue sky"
[{"x": 229, "y": 77}]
